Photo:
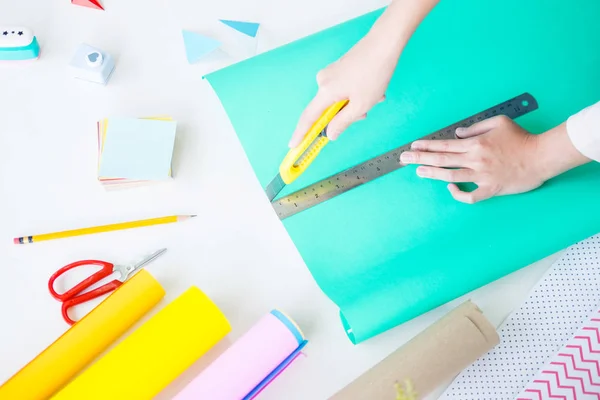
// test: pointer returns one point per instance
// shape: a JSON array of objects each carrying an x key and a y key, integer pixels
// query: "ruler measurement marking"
[{"x": 387, "y": 162}]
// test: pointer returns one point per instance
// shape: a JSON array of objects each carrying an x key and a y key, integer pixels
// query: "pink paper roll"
[{"x": 251, "y": 363}]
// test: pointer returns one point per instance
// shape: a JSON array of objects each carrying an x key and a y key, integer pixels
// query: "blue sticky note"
[
  {"x": 247, "y": 28},
  {"x": 138, "y": 149},
  {"x": 197, "y": 46}
]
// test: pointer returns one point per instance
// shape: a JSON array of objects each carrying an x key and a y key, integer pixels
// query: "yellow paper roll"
[
  {"x": 155, "y": 354},
  {"x": 84, "y": 341}
]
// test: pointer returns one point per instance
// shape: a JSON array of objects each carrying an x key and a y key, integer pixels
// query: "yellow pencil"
[{"x": 101, "y": 229}]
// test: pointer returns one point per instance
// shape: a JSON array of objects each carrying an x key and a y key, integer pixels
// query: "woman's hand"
[
  {"x": 362, "y": 75},
  {"x": 497, "y": 155}
]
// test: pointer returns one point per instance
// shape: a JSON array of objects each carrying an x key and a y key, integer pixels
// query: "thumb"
[
  {"x": 477, "y": 129},
  {"x": 342, "y": 121},
  {"x": 475, "y": 196}
]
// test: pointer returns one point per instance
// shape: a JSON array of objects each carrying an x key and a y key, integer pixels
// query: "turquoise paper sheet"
[{"x": 400, "y": 246}]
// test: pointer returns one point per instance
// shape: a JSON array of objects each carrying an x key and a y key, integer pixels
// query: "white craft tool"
[{"x": 18, "y": 43}]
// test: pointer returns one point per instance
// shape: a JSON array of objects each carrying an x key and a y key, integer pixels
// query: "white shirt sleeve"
[{"x": 584, "y": 131}]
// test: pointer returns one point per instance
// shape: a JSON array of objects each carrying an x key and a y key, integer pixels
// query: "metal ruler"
[{"x": 383, "y": 164}]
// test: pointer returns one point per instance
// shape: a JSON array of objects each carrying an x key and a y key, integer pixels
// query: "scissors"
[
  {"x": 298, "y": 159},
  {"x": 73, "y": 296}
]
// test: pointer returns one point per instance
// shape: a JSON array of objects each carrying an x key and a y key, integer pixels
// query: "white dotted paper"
[
  {"x": 572, "y": 373},
  {"x": 556, "y": 308}
]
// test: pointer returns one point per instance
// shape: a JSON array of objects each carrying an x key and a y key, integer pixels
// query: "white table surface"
[{"x": 236, "y": 250}]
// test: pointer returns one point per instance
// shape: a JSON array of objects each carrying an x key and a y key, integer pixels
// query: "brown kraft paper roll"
[{"x": 431, "y": 358}]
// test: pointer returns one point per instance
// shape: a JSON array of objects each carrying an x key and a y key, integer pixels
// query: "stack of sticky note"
[{"x": 135, "y": 152}]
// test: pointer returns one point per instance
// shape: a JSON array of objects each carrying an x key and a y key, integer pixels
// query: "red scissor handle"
[
  {"x": 72, "y": 297},
  {"x": 106, "y": 270},
  {"x": 82, "y": 298}
]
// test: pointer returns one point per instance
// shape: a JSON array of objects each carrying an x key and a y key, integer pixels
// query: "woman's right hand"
[{"x": 363, "y": 74}]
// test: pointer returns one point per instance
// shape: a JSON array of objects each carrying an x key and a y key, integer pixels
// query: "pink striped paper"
[
  {"x": 243, "y": 366},
  {"x": 574, "y": 372}
]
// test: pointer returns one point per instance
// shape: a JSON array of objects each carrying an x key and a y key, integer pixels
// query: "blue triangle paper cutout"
[
  {"x": 247, "y": 28},
  {"x": 197, "y": 46}
]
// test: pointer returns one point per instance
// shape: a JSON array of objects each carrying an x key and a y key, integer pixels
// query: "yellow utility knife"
[{"x": 298, "y": 159}]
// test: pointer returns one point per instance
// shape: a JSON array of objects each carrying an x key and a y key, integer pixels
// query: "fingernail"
[
  {"x": 406, "y": 157},
  {"x": 415, "y": 145},
  {"x": 332, "y": 135},
  {"x": 460, "y": 131},
  {"x": 422, "y": 172}
]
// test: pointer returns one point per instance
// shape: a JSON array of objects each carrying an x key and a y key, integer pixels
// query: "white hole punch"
[{"x": 92, "y": 64}]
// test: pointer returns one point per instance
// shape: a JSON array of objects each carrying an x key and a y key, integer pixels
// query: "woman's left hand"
[{"x": 497, "y": 155}]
